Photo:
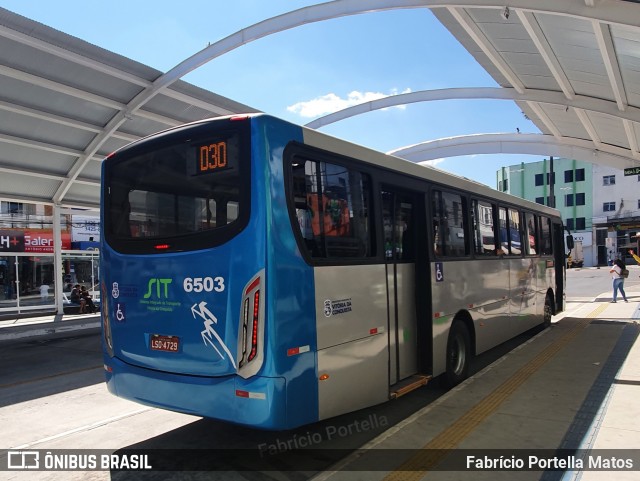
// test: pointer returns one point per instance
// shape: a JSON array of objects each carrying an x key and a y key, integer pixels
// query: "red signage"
[{"x": 31, "y": 240}]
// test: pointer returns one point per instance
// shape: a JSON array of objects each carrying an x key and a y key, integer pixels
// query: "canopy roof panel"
[
  {"x": 58, "y": 95},
  {"x": 573, "y": 68},
  {"x": 586, "y": 50}
]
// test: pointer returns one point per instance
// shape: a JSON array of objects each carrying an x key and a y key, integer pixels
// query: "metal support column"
[{"x": 57, "y": 261}]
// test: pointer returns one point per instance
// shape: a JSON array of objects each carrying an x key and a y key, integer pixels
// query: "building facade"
[
  {"x": 599, "y": 205},
  {"x": 616, "y": 212},
  {"x": 31, "y": 280}
]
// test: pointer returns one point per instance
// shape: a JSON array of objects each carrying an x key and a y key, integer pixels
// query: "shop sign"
[
  {"x": 30, "y": 240},
  {"x": 85, "y": 229}
]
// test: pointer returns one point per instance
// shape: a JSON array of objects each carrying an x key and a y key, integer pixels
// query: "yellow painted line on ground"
[
  {"x": 597, "y": 311},
  {"x": 435, "y": 450}
]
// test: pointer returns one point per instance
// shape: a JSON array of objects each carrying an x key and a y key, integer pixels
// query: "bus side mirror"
[{"x": 569, "y": 242}]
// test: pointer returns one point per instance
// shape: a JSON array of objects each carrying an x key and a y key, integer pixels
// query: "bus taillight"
[
  {"x": 254, "y": 330},
  {"x": 245, "y": 324},
  {"x": 251, "y": 329}
]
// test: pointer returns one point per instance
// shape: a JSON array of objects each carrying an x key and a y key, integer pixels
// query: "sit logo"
[{"x": 159, "y": 291}]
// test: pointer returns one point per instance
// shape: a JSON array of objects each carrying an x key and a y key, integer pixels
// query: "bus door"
[
  {"x": 399, "y": 224},
  {"x": 560, "y": 261}
]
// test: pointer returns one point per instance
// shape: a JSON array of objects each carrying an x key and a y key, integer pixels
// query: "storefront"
[
  {"x": 27, "y": 269},
  {"x": 615, "y": 237}
]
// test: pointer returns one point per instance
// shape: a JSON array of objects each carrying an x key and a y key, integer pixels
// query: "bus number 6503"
[{"x": 203, "y": 284}]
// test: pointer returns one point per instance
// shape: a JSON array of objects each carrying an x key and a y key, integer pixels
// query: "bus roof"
[{"x": 364, "y": 154}]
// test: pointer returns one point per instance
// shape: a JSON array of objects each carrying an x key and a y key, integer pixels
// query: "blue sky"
[{"x": 308, "y": 71}]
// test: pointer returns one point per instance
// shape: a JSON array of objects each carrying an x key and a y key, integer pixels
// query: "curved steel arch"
[
  {"x": 532, "y": 144},
  {"x": 591, "y": 104},
  {"x": 623, "y": 15},
  {"x": 280, "y": 23}
]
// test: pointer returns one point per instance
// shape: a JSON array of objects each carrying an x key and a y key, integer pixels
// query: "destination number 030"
[{"x": 203, "y": 284}]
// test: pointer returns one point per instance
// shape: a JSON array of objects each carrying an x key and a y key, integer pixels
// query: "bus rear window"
[{"x": 180, "y": 190}]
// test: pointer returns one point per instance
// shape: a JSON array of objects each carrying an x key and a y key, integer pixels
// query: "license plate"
[{"x": 164, "y": 343}]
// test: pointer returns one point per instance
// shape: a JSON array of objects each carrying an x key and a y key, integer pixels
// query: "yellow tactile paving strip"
[{"x": 435, "y": 450}]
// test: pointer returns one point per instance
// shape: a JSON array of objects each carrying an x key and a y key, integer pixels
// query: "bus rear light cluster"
[
  {"x": 251, "y": 327},
  {"x": 250, "y": 322},
  {"x": 254, "y": 328}
]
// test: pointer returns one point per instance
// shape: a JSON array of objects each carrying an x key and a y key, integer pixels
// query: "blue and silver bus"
[{"x": 265, "y": 274}]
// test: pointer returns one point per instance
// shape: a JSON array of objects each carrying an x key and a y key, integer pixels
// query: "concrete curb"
[{"x": 55, "y": 328}]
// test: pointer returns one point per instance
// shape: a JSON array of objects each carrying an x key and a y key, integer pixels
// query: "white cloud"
[{"x": 327, "y": 104}]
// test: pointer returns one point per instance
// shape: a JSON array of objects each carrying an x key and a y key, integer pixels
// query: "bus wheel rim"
[{"x": 458, "y": 355}]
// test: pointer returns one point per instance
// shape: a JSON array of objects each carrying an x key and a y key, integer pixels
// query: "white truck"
[{"x": 576, "y": 258}]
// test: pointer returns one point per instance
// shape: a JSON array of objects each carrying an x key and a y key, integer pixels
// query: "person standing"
[
  {"x": 44, "y": 292},
  {"x": 635, "y": 257},
  {"x": 618, "y": 280}
]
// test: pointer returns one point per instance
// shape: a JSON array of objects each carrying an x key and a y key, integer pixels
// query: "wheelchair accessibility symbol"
[
  {"x": 121, "y": 315},
  {"x": 439, "y": 272}
]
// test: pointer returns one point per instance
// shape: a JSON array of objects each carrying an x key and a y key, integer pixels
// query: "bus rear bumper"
[{"x": 257, "y": 402}]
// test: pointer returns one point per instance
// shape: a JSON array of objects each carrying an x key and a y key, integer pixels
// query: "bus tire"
[
  {"x": 458, "y": 354},
  {"x": 548, "y": 311}
]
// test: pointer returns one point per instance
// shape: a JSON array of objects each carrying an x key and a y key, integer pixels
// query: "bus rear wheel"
[{"x": 458, "y": 354}]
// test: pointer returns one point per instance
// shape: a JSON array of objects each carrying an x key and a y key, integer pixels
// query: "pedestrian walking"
[{"x": 618, "y": 280}]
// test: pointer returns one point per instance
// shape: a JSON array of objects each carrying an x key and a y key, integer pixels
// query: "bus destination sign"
[
  {"x": 632, "y": 171},
  {"x": 212, "y": 157}
]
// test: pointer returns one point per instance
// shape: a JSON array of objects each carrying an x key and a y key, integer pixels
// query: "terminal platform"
[{"x": 572, "y": 388}]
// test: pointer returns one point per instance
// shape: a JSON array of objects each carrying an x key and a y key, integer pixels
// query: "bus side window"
[
  {"x": 305, "y": 199},
  {"x": 515, "y": 232},
  {"x": 449, "y": 224},
  {"x": 332, "y": 205},
  {"x": 504, "y": 233},
  {"x": 531, "y": 234},
  {"x": 546, "y": 247},
  {"x": 436, "y": 209},
  {"x": 484, "y": 238}
]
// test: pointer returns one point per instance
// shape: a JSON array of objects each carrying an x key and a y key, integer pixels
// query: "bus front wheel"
[{"x": 458, "y": 354}]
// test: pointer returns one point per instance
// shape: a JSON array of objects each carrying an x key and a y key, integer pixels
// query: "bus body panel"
[
  {"x": 351, "y": 302},
  {"x": 357, "y": 375},
  {"x": 291, "y": 318},
  {"x": 258, "y": 402},
  {"x": 506, "y": 299},
  {"x": 352, "y": 326},
  {"x": 149, "y": 298}
]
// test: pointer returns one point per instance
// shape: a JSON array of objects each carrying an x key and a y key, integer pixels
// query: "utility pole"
[{"x": 552, "y": 198}]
